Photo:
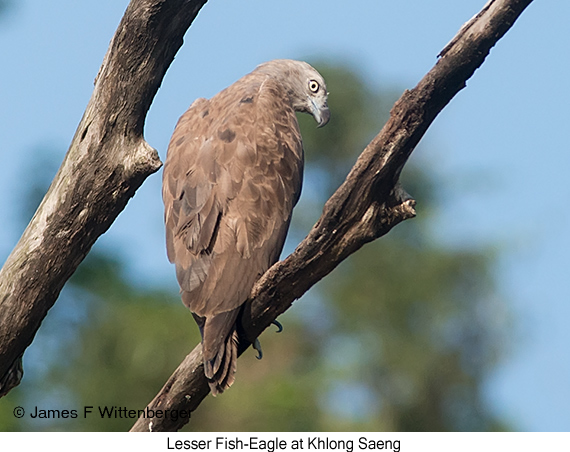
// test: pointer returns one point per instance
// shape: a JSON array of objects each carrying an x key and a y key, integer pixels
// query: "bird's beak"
[
  {"x": 321, "y": 113},
  {"x": 323, "y": 117}
]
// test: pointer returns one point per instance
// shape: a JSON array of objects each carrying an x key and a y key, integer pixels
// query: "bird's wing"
[{"x": 231, "y": 178}]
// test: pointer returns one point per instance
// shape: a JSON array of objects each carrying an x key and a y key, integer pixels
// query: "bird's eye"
[{"x": 314, "y": 86}]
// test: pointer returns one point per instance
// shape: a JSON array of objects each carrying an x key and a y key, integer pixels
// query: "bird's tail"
[
  {"x": 220, "y": 349},
  {"x": 221, "y": 371}
]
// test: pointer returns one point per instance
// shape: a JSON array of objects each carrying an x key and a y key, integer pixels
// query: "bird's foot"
[
  {"x": 257, "y": 346},
  {"x": 278, "y": 325}
]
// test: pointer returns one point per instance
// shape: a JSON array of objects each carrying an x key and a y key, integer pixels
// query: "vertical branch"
[{"x": 107, "y": 161}]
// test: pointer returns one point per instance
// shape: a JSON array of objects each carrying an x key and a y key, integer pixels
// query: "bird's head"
[{"x": 305, "y": 86}]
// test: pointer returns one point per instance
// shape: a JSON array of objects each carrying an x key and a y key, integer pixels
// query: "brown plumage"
[{"x": 232, "y": 176}]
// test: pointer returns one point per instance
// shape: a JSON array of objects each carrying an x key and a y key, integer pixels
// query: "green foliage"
[
  {"x": 130, "y": 345},
  {"x": 420, "y": 322},
  {"x": 399, "y": 337}
]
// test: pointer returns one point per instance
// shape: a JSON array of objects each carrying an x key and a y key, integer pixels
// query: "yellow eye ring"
[{"x": 314, "y": 86}]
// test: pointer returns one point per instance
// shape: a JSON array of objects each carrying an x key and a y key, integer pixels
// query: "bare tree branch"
[
  {"x": 367, "y": 205},
  {"x": 107, "y": 161}
]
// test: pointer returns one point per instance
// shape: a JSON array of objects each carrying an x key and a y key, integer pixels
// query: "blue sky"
[{"x": 500, "y": 147}]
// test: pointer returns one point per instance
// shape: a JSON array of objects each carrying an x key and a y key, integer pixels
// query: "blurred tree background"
[{"x": 400, "y": 337}]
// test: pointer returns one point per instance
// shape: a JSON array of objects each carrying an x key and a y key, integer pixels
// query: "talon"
[
  {"x": 278, "y": 325},
  {"x": 257, "y": 346}
]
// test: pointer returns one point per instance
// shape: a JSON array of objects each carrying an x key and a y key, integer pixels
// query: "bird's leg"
[
  {"x": 278, "y": 325},
  {"x": 257, "y": 346}
]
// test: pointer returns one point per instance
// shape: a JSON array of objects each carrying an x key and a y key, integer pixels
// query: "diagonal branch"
[
  {"x": 107, "y": 161},
  {"x": 366, "y": 206}
]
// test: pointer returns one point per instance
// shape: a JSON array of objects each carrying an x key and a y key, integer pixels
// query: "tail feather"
[
  {"x": 219, "y": 348},
  {"x": 221, "y": 370},
  {"x": 213, "y": 366}
]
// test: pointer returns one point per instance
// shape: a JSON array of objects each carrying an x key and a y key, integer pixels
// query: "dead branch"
[{"x": 366, "y": 206}]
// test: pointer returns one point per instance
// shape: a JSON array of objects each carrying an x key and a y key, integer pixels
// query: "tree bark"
[
  {"x": 366, "y": 206},
  {"x": 107, "y": 161}
]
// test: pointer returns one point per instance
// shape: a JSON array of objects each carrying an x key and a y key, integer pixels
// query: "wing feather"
[{"x": 231, "y": 179}]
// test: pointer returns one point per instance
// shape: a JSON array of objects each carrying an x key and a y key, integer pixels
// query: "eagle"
[{"x": 233, "y": 174}]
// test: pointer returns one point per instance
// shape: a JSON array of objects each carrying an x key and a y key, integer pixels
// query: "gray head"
[{"x": 305, "y": 86}]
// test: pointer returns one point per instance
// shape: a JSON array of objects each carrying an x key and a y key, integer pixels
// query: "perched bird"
[{"x": 232, "y": 176}]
